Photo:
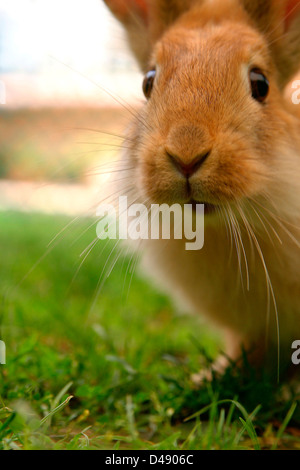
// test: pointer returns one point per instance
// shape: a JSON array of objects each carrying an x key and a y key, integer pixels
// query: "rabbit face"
[{"x": 207, "y": 137}]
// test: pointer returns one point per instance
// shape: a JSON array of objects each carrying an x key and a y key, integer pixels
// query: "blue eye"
[
  {"x": 148, "y": 83},
  {"x": 259, "y": 84}
]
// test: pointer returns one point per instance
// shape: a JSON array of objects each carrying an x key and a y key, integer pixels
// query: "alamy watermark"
[
  {"x": 2, "y": 353},
  {"x": 137, "y": 222},
  {"x": 296, "y": 94},
  {"x": 296, "y": 354}
]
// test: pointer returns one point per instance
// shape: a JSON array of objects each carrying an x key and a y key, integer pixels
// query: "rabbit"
[{"x": 216, "y": 128}]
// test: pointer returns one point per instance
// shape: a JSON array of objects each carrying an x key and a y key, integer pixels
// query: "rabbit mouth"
[{"x": 208, "y": 207}]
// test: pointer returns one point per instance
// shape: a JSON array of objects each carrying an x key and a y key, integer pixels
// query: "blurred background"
[
  {"x": 64, "y": 70},
  {"x": 66, "y": 76},
  {"x": 79, "y": 322},
  {"x": 72, "y": 307}
]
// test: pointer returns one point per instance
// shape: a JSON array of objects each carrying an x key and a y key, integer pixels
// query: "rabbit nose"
[{"x": 188, "y": 169}]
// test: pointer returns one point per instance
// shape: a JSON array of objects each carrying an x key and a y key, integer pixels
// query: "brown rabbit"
[{"x": 217, "y": 129}]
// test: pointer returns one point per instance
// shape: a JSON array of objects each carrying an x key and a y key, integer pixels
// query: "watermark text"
[
  {"x": 2, "y": 353},
  {"x": 296, "y": 94},
  {"x": 160, "y": 222},
  {"x": 296, "y": 354}
]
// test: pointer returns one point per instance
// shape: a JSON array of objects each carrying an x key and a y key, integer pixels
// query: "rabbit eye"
[
  {"x": 148, "y": 83},
  {"x": 259, "y": 84}
]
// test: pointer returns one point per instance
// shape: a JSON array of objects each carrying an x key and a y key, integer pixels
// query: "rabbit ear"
[
  {"x": 289, "y": 43},
  {"x": 165, "y": 12},
  {"x": 146, "y": 20},
  {"x": 292, "y": 11},
  {"x": 279, "y": 21},
  {"x": 134, "y": 15},
  {"x": 125, "y": 9}
]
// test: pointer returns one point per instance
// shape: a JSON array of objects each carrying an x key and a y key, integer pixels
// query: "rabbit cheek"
[
  {"x": 232, "y": 182},
  {"x": 229, "y": 175},
  {"x": 157, "y": 180}
]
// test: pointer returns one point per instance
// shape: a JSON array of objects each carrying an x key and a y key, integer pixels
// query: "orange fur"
[{"x": 249, "y": 284}]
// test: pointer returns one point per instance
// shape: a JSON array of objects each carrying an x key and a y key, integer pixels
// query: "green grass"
[{"x": 114, "y": 371}]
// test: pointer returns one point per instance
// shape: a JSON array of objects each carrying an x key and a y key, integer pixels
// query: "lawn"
[{"x": 109, "y": 365}]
